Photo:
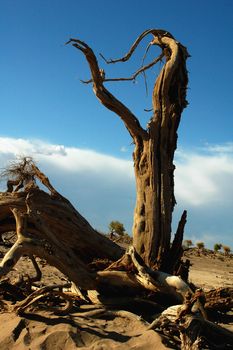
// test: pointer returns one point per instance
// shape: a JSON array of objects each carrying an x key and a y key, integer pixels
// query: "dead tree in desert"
[
  {"x": 48, "y": 226},
  {"x": 154, "y": 147}
]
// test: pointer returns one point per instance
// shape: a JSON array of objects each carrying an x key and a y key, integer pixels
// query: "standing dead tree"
[
  {"x": 154, "y": 148},
  {"x": 48, "y": 226}
]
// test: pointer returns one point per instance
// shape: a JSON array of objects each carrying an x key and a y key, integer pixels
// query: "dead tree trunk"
[
  {"x": 154, "y": 147},
  {"x": 48, "y": 226}
]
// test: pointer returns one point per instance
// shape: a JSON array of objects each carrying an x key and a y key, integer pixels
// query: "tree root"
[
  {"x": 158, "y": 280},
  {"x": 47, "y": 291},
  {"x": 220, "y": 299},
  {"x": 191, "y": 331},
  {"x": 196, "y": 333}
]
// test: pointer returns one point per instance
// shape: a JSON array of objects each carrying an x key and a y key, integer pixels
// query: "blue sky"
[{"x": 47, "y": 112}]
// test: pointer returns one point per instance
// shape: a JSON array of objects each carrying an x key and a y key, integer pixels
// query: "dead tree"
[
  {"x": 154, "y": 148},
  {"x": 48, "y": 226}
]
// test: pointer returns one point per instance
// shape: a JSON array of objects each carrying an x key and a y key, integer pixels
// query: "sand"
[
  {"x": 47, "y": 331},
  {"x": 44, "y": 330}
]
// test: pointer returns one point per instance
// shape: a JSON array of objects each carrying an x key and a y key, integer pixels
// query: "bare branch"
[
  {"x": 44, "y": 179},
  {"x": 22, "y": 174},
  {"x": 134, "y": 76},
  {"x": 38, "y": 275},
  {"x": 147, "y": 49},
  {"x": 146, "y": 86},
  {"x": 106, "y": 98},
  {"x": 144, "y": 74},
  {"x": 98, "y": 77},
  {"x": 20, "y": 307},
  {"x": 135, "y": 45},
  {"x": 81, "y": 43}
]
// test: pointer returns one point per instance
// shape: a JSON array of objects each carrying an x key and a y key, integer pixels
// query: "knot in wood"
[{"x": 48, "y": 248}]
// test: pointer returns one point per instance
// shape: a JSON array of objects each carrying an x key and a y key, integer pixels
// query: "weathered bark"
[
  {"x": 172, "y": 261},
  {"x": 48, "y": 226},
  {"x": 192, "y": 332},
  {"x": 154, "y": 147},
  {"x": 219, "y": 300},
  {"x": 197, "y": 334},
  {"x": 154, "y": 159}
]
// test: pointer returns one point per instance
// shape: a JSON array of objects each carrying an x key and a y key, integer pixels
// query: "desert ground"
[{"x": 40, "y": 328}]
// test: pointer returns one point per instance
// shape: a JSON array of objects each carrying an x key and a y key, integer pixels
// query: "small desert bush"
[
  {"x": 117, "y": 227},
  {"x": 217, "y": 247},
  {"x": 200, "y": 245},
  {"x": 187, "y": 243},
  {"x": 226, "y": 249}
]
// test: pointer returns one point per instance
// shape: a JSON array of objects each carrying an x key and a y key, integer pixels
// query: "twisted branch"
[
  {"x": 134, "y": 76},
  {"x": 155, "y": 32},
  {"x": 106, "y": 98},
  {"x": 43, "y": 292}
]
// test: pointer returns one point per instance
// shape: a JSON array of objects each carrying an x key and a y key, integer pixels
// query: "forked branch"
[
  {"x": 46, "y": 291},
  {"x": 106, "y": 98},
  {"x": 169, "y": 48},
  {"x": 134, "y": 76},
  {"x": 22, "y": 175},
  {"x": 155, "y": 32}
]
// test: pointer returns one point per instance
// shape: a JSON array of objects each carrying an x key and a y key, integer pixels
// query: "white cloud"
[
  {"x": 99, "y": 185},
  {"x": 205, "y": 178},
  {"x": 221, "y": 148},
  {"x": 102, "y": 187},
  {"x": 29, "y": 147},
  {"x": 69, "y": 159}
]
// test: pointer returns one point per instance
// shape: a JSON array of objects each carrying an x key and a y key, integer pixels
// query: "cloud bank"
[{"x": 102, "y": 187}]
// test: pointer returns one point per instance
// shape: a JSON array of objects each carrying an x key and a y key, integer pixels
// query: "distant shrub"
[
  {"x": 226, "y": 249},
  {"x": 200, "y": 245},
  {"x": 187, "y": 243},
  {"x": 217, "y": 247},
  {"x": 117, "y": 227}
]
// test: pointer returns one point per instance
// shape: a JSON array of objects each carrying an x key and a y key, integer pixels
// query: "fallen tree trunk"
[{"x": 48, "y": 226}]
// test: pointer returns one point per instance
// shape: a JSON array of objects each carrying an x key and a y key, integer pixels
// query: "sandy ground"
[
  {"x": 211, "y": 271},
  {"x": 45, "y": 331}
]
